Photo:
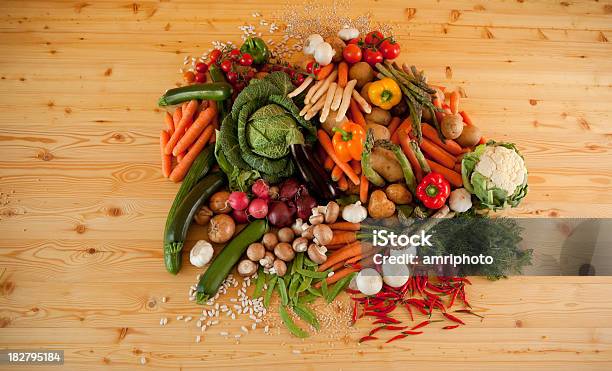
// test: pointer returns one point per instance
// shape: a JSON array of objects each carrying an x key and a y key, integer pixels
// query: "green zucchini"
[
  {"x": 209, "y": 91},
  {"x": 176, "y": 231},
  {"x": 227, "y": 258}
]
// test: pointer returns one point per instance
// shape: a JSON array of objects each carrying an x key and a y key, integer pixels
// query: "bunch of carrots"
[{"x": 188, "y": 131}]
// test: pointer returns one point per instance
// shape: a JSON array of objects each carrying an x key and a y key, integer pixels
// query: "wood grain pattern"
[{"x": 83, "y": 203}]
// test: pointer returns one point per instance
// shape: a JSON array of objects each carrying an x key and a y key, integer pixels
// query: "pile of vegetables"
[{"x": 311, "y": 156}]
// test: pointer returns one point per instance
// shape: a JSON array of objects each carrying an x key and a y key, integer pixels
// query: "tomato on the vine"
[
  {"x": 201, "y": 67},
  {"x": 355, "y": 41},
  {"x": 214, "y": 56},
  {"x": 313, "y": 67},
  {"x": 374, "y": 38},
  {"x": 352, "y": 53},
  {"x": 234, "y": 54},
  {"x": 232, "y": 76},
  {"x": 372, "y": 56},
  {"x": 226, "y": 65},
  {"x": 389, "y": 49},
  {"x": 246, "y": 60},
  {"x": 299, "y": 79}
]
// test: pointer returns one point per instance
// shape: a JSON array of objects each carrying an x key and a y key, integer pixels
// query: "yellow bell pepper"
[{"x": 384, "y": 93}]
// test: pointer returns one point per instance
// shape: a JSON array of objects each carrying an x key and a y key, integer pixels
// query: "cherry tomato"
[
  {"x": 389, "y": 49},
  {"x": 214, "y": 55},
  {"x": 299, "y": 79},
  {"x": 352, "y": 53},
  {"x": 250, "y": 74},
  {"x": 200, "y": 77},
  {"x": 188, "y": 76},
  {"x": 234, "y": 54},
  {"x": 201, "y": 67},
  {"x": 246, "y": 60},
  {"x": 374, "y": 38},
  {"x": 372, "y": 56},
  {"x": 313, "y": 67},
  {"x": 226, "y": 65},
  {"x": 232, "y": 76},
  {"x": 355, "y": 41}
]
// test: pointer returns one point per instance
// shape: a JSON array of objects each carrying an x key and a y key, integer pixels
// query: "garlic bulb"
[
  {"x": 311, "y": 43},
  {"x": 201, "y": 253},
  {"x": 460, "y": 200},
  {"x": 354, "y": 213},
  {"x": 324, "y": 53},
  {"x": 347, "y": 33},
  {"x": 369, "y": 282}
]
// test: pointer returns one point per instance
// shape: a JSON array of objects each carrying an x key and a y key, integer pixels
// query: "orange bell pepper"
[{"x": 348, "y": 141}]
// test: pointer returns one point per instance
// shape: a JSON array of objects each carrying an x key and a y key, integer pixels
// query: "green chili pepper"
[
  {"x": 257, "y": 49},
  {"x": 291, "y": 326}
]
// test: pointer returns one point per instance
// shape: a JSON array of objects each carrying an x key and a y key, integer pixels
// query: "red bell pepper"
[{"x": 433, "y": 190}]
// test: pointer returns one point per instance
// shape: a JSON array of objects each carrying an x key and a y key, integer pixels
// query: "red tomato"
[
  {"x": 354, "y": 41},
  {"x": 372, "y": 56},
  {"x": 246, "y": 60},
  {"x": 232, "y": 76},
  {"x": 299, "y": 79},
  {"x": 352, "y": 53},
  {"x": 389, "y": 49},
  {"x": 200, "y": 77},
  {"x": 313, "y": 67},
  {"x": 214, "y": 55},
  {"x": 201, "y": 67},
  {"x": 226, "y": 65},
  {"x": 234, "y": 54},
  {"x": 374, "y": 38}
]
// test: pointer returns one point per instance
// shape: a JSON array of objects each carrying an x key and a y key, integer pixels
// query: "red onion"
[
  {"x": 261, "y": 189},
  {"x": 240, "y": 216},
  {"x": 304, "y": 204},
  {"x": 238, "y": 200},
  {"x": 258, "y": 208},
  {"x": 279, "y": 214},
  {"x": 288, "y": 189}
]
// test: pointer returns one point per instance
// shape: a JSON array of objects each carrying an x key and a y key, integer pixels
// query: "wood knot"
[
  {"x": 68, "y": 110},
  {"x": 118, "y": 137},
  {"x": 151, "y": 304},
  {"x": 4, "y": 322},
  {"x": 44, "y": 155},
  {"x": 123, "y": 333},
  {"x": 108, "y": 72},
  {"x": 91, "y": 250},
  {"x": 80, "y": 228},
  {"x": 518, "y": 323},
  {"x": 449, "y": 72},
  {"x": 454, "y": 15},
  {"x": 533, "y": 102},
  {"x": 410, "y": 13},
  {"x": 35, "y": 309},
  {"x": 114, "y": 211},
  {"x": 553, "y": 214},
  {"x": 7, "y": 288}
]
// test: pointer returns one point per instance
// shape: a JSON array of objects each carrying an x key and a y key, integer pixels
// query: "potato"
[
  {"x": 362, "y": 72},
  {"x": 338, "y": 45},
  {"x": 379, "y": 116},
  {"x": 452, "y": 126},
  {"x": 400, "y": 109},
  {"x": 385, "y": 163},
  {"x": 469, "y": 136},
  {"x": 379, "y": 131},
  {"x": 364, "y": 93},
  {"x": 331, "y": 123},
  {"x": 426, "y": 115},
  {"x": 379, "y": 206},
  {"x": 399, "y": 194}
]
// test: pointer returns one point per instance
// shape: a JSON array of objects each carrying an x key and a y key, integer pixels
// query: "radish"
[
  {"x": 240, "y": 216},
  {"x": 261, "y": 189},
  {"x": 258, "y": 208},
  {"x": 238, "y": 200}
]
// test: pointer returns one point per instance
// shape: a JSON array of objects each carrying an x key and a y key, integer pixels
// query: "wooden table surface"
[{"x": 83, "y": 202}]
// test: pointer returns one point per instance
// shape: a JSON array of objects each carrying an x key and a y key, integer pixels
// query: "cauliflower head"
[{"x": 496, "y": 174}]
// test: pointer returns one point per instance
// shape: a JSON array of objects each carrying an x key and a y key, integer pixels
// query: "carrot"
[
  {"x": 343, "y": 237},
  {"x": 341, "y": 255},
  {"x": 205, "y": 118},
  {"x": 457, "y": 167},
  {"x": 345, "y": 226},
  {"x": 454, "y": 102},
  {"x": 328, "y": 163},
  {"x": 336, "y": 247},
  {"x": 180, "y": 128},
  {"x": 394, "y": 124},
  {"x": 176, "y": 117},
  {"x": 466, "y": 118},
  {"x": 356, "y": 165},
  {"x": 215, "y": 124},
  {"x": 406, "y": 126},
  {"x": 443, "y": 88},
  {"x": 181, "y": 169},
  {"x": 183, "y": 107},
  {"x": 328, "y": 147},
  {"x": 342, "y": 74},
  {"x": 354, "y": 259},
  {"x": 363, "y": 189},
  {"x": 166, "y": 160},
  {"x": 169, "y": 123},
  {"x": 325, "y": 71},
  {"x": 342, "y": 183},
  {"x": 356, "y": 114},
  {"x": 438, "y": 153},
  {"x": 180, "y": 157},
  {"x": 449, "y": 145},
  {"x": 452, "y": 176},
  {"x": 336, "y": 173},
  {"x": 337, "y": 266},
  {"x": 414, "y": 162},
  {"x": 337, "y": 276},
  {"x": 482, "y": 140}
]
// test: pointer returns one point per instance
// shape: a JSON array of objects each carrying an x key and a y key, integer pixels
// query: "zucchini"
[
  {"x": 227, "y": 258},
  {"x": 176, "y": 231},
  {"x": 208, "y": 91}
]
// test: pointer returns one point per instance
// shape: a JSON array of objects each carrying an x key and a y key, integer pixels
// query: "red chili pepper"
[
  {"x": 424, "y": 323},
  {"x": 360, "y": 300},
  {"x": 452, "y": 301},
  {"x": 412, "y": 332},
  {"x": 387, "y": 295},
  {"x": 409, "y": 311},
  {"x": 396, "y": 337},
  {"x": 395, "y": 328},
  {"x": 453, "y": 318},
  {"x": 376, "y": 329},
  {"x": 449, "y": 327},
  {"x": 435, "y": 288},
  {"x": 366, "y": 338},
  {"x": 354, "y": 313},
  {"x": 386, "y": 320},
  {"x": 354, "y": 292},
  {"x": 416, "y": 302},
  {"x": 375, "y": 314}
]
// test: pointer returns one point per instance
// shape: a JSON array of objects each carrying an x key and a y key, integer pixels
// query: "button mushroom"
[
  {"x": 308, "y": 233},
  {"x": 332, "y": 210},
  {"x": 256, "y": 251},
  {"x": 286, "y": 234},
  {"x": 316, "y": 253},
  {"x": 300, "y": 244},
  {"x": 247, "y": 268},
  {"x": 267, "y": 260},
  {"x": 323, "y": 234},
  {"x": 280, "y": 267},
  {"x": 284, "y": 251},
  {"x": 316, "y": 219},
  {"x": 269, "y": 240}
]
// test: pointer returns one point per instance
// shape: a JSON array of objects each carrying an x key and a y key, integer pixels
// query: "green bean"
[
  {"x": 324, "y": 289},
  {"x": 291, "y": 326},
  {"x": 339, "y": 286},
  {"x": 314, "y": 291},
  {"x": 282, "y": 290},
  {"x": 306, "y": 282},
  {"x": 261, "y": 279},
  {"x": 312, "y": 274},
  {"x": 293, "y": 286},
  {"x": 269, "y": 291},
  {"x": 307, "y": 315}
]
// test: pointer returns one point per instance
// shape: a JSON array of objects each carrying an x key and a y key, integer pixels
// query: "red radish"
[
  {"x": 261, "y": 189},
  {"x": 240, "y": 216},
  {"x": 258, "y": 208},
  {"x": 288, "y": 189},
  {"x": 238, "y": 200}
]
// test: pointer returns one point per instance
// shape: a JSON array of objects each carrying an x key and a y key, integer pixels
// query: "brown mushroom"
[
  {"x": 286, "y": 234},
  {"x": 280, "y": 267},
  {"x": 256, "y": 251},
  {"x": 316, "y": 219},
  {"x": 308, "y": 233},
  {"x": 284, "y": 251},
  {"x": 332, "y": 210},
  {"x": 202, "y": 217},
  {"x": 323, "y": 234},
  {"x": 247, "y": 268},
  {"x": 316, "y": 253},
  {"x": 267, "y": 260},
  {"x": 300, "y": 244},
  {"x": 269, "y": 240}
]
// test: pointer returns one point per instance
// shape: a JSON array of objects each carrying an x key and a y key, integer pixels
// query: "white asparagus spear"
[
  {"x": 305, "y": 109},
  {"x": 365, "y": 106},
  {"x": 301, "y": 88},
  {"x": 328, "y": 101},
  {"x": 346, "y": 100},
  {"x": 337, "y": 98},
  {"x": 323, "y": 89},
  {"x": 314, "y": 109},
  {"x": 312, "y": 91}
]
